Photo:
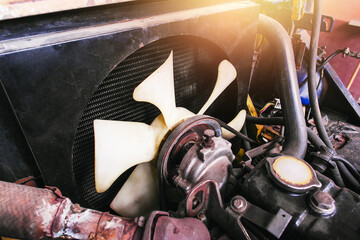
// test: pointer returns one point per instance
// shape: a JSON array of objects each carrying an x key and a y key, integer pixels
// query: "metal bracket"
[
  {"x": 205, "y": 198},
  {"x": 274, "y": 224},
  {"x": 200, "y": 196},
  {"x": 249, "y": 155},
  {"x": 327, "y": 22}
]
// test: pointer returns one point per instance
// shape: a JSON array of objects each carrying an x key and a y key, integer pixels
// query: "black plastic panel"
[{"x": 16, "y": 159}]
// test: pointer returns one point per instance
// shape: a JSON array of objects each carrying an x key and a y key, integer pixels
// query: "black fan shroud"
[{"x": 195, "y": 71}]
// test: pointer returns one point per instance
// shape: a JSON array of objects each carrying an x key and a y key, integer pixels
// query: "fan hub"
[{"x": 194, "y": 151}]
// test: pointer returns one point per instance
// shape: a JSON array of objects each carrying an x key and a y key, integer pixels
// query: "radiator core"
[{"x": 195, "y": 72}]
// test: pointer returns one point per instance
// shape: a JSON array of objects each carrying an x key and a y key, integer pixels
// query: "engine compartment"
[{"x": 198, "y": 127}]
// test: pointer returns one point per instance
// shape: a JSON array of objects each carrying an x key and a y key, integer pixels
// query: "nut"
[
  {"x": 207, "y": 138},
  {"x": 322, "y": 202}
]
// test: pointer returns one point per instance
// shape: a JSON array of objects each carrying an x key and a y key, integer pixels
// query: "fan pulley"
[{"x": 193, "y": 152}]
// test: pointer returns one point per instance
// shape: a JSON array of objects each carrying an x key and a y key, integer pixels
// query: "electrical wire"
[
  {"x": 238, "y": 134},
  {"x": 322, "y": 65},
  {"x": 266, "y": 107},
  {"x": 329, "y": 58},
  {"x": 265, "y": 120},
  {"x": 326, "y": 61}
]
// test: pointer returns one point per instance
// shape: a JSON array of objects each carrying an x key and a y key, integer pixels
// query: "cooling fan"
[{"x": 120, "y": 145}]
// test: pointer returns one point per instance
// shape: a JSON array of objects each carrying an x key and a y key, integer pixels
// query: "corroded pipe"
[{"x": 34, "y": 213}]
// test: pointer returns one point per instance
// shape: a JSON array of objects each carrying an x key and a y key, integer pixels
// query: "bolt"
[
  {"x": 238, "y": 204},
  {"x": 183, "y": 184},
  {"x": 322, "y": 202},
  {"x": 201, "y": 216},
  {"x": 141, "y": 221},
  {"x": 66, "y": 237},
  {"x": 207, "y": 138},
  {"x": 196, "y": 203},
  {"x": 76, "y": 208}
]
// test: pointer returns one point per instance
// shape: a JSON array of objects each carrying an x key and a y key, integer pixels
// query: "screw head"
[{"x": 238, "y": 204}]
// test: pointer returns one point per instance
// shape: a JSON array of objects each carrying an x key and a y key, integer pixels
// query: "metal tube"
[
  {"x": 353, "y": 76},
  {"x": 34, "y": 213},
  {"x": 295, "y": 127}
]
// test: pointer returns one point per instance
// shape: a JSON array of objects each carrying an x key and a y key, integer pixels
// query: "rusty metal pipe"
[{"x": 34, "y": 213}]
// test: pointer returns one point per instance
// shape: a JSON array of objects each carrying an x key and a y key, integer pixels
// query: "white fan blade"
[
  {"x": 120, "y": 145},
  {"x": 158, "y": 89},
  {"x": 226, "y": 74},
  {"x": 237, "y": 123},
  {"x": 140, "y": 193}
]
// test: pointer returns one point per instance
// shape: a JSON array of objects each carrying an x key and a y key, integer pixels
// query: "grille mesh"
[{"x": 195, "y": 72}]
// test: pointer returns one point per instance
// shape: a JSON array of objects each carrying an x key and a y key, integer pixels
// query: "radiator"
[{"x": 64, "y": 70}]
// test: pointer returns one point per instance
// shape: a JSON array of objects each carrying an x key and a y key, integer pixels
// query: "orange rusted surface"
[
  {"x": 35, "y": 213},
  {"x": 21, "y": 8}
]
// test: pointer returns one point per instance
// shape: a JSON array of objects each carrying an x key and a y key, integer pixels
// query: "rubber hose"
[
  {"x": 337, "y": 176},
  {"x": 265, "y": 120},
  {"x": 295, "y": 127},
  {"x": 314, "y": 103},
  {"x": 315, "y": 139},
  {"x": 318, "y": 143},
  {"x": 349, "y": 166},
  {"x": 354, "y": 184}
]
